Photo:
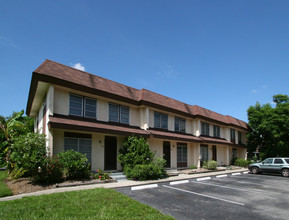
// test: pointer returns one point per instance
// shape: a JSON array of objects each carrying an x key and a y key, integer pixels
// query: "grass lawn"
[
  {"x": 4, "y": 190},
  {"x": 85, "y": 204}
]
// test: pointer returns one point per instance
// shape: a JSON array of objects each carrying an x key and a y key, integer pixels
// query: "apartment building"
[{"x": 93, "y": 115}]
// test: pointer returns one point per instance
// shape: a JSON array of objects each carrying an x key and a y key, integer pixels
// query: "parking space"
[{"x": 236, "y": 196}]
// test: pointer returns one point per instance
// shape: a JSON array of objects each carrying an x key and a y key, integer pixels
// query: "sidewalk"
[{"x": 128, "y": 183}]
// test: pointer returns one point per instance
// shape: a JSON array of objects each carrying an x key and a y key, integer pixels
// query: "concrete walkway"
[{"x": 127, "y": 183}]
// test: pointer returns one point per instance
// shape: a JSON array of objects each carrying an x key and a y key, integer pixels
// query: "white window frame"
[
  {"x": 164, "y": 120},
  {"x": 119, "y": 113}
]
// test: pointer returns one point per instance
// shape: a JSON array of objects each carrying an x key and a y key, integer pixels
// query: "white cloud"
[
  {"x": 169, "y": 72},
  {"x": 78, "y": 66},
  {"x": 254, "y": 90},
  {"x": 264, "y": 86},
  {"x": 7, "y": 42}
]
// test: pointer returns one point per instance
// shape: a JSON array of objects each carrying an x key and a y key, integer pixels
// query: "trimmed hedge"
[
  {"x": 210, "y": 165},
  {"x": 242, "y": 162}
]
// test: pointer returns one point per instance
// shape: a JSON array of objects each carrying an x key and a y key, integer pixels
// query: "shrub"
[
  {"x": 153, "y": 170},
  {"x": 101, "y": 175},
  {"x": 17, "y": 173},
  {"x": 139, "y": 161},
  {"x": 210, "y": 165},
  {"x": 242, "y": 162},
  {"x": 135, "y": 151},
  {"x": 75, "y": 165},
  {"x": 28, "y": 152},
  {"x": 233, "y": 160},
  {"x": 51, "y": 171},
  {"x": 193, "y": 167}
]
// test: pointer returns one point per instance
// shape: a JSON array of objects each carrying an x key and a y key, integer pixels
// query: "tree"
[
  {"x": 11, "y": 127},
  {"x": 269, "y": 127}
]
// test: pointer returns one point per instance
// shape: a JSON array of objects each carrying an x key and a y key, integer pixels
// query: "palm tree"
[{"x": 9, "y": 128}]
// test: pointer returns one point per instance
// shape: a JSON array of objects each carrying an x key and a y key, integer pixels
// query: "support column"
[
  {"x": 228, "y": 156},
  {"x": 198, "y": 155}
]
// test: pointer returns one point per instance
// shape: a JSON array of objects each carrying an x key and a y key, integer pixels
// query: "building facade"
[{"x": 93, "y": 115}]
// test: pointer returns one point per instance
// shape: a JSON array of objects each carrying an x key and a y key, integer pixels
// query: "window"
[
  {"x": 232, "y": 135},
  {"x": 82, "y": 106},
  {"x": 78, "y": 142},
  {"x": 278, "y": 161},
  {"x": 76, "y": 105},
  {"x": 287, "y": 161},
  {"x": 90, "y": 108},
  {"x": 216, "y": 131},
  {"x": 118, "y": 113},
  {"x": 268, "y": 161},
  {"x": 180, "y": 124},
  {"x": 160, "y": 120},
  {"x": 205, "y": 129},
  {"x": 239, "y": 137}
]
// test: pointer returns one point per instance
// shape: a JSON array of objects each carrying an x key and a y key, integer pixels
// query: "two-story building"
[{"x": 93, "y": 115}]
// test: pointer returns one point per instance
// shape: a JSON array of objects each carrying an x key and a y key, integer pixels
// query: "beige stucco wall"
[
  {"x": 221, "y": 155},
  {"x": 134, "y": 117},
  {"x": 61, "y": 101},
  {"x": 156, "y": 145},
  {"x": 189, "y": 126},
  {"x": 141, "y": 116},
  {"x": 61, "y": 106},
  {"x": 144, "y": 117},
  {"x": 102, "y": 110},
  {"x": 97, "y": 150}
]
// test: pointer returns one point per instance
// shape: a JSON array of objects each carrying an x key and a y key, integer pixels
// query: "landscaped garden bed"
[{"x": 25, "y": 185}]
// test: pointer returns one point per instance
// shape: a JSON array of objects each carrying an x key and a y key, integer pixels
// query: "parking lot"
[{"x": 234, "y": 196}]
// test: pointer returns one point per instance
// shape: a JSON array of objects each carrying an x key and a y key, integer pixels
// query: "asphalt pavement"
[{"x": 238, "y": 195}]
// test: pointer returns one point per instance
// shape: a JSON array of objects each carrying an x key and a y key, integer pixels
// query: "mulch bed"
[{"x": 25, "y": 185}]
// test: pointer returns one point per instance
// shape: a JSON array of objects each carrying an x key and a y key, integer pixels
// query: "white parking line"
[
  {"x": 144, "y": 187},
  {"x": 220, "y": 176},
  {"x": 203, "y": 195},
  {"x": 246, "y": 172},
  {"x": 235, "y": 174},
  {"x": 228, "y": 187},
  {"x": 203, "y": 178},
  {"x": 179, "y": 182}
]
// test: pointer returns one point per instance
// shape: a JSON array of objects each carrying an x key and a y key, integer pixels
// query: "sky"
[{"x": 221, "y": 55}]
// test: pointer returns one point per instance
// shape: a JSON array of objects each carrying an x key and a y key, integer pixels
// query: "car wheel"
[
  {"x": 285, "y": 172},
  {"x": 255, "y": 170}
]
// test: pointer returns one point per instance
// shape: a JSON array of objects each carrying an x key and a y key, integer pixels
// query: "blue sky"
[{"x": 220, "y": 55}]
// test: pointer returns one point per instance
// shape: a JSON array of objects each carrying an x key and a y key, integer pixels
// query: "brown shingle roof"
[
  {"x": 71, "y": 124},
  {"x": 174, "y": 136},
  {"x": 66, "y": 73},
  {"x": 215, "y": 140},
  {"x": 59, "y": 74}
]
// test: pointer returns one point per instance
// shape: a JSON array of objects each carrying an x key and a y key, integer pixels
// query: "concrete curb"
[{"x": 128, "y": 183}]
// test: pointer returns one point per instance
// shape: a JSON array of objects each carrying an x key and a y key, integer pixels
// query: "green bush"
[
  {"x": 28, "y": 153},
  {"x": 135, "y": 151},
  {"x": 17, "y": 173},
  {"x": 242, "y": 162},
  {"x": 151, "y": 171},
  {"x": 210, "y": 165},
  {"x": 51, "y": 171},
  {"x": 75, "y": 165},
  {"x": 101, "y": 175},
  {"x": 193, "y": 167},
  {"x": 139, "y": 161}
]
